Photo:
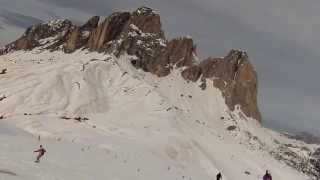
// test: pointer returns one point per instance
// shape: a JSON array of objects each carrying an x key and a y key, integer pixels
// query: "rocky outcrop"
[
  {"x": 108, "y": 30},
  {"x": 180, "y": 52},
  {"x": 35, "y": 35},
  {"x": 140, "y": 34},
  {"x": 148, "y": 21},
  {"x": 144, "y": 38},
  {"x": 234, "y": 76},
  {"x": 79, "y": 36},
  {"x": 91, "y": 24},
  {"x": 238, "y": 83},
  {"x": 148, "y": 48},
  {"x": 192, "y": 73},
  {"x": 74, "y": 41}
]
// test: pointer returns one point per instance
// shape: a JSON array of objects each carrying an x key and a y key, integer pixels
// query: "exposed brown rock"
[
  {"x": 143, "y": 37},
  {"x": 154, "y": 53},
  {"x": 210, "y": 67},
  {"x": 90, "y": 24},
  {"x": 79, "y": 36},
  {"x": 148, "y": 50},
  {"x": 73, "y": 42},
  {"x": 147, "y": 21},
  {"x": 192, "y": 73},
  {"x": 31, "y": 38},
  {"x": 180, "y": 51},
  {"x": 25, "y": 43},
  {"x": 109, "y": 30},
  {"x": 236, "y": 78}
]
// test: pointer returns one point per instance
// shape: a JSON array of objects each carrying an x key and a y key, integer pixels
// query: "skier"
[
  {"x": 219, "y": 176},
  {"x": 41, "y": 152},
  {"x": 267, "y": 176}
]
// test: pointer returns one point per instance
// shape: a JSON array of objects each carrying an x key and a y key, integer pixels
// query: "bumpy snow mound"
[{"x": 101, "y": 118}]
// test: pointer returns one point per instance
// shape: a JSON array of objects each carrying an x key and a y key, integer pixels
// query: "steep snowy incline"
[{"x": 101, "y": 118}]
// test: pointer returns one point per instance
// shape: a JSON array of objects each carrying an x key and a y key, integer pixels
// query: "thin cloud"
[{"x": 17, "y": 19}]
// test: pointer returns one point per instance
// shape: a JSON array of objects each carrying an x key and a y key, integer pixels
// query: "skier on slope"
[
  {"x": 267, "y": 176},
  {"x": 41, "y": 152},
  {"x": 219, "y": 176}
]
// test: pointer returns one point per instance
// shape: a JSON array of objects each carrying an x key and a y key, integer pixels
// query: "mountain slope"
[
  {"x": 136, "y": 121},
  {"x": 116, "y": 100}
]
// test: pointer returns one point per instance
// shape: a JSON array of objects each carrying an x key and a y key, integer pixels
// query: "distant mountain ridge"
[{"x": 306, "y": 137}]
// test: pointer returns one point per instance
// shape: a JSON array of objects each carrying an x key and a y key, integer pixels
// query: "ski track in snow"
[{"x": 139, "y": 127}]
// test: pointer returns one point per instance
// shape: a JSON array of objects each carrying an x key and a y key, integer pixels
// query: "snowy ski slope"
[{"x": 140, "y": 126}]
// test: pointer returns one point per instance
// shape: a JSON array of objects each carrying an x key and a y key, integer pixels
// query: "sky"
[{"x": 280, "y": 36}]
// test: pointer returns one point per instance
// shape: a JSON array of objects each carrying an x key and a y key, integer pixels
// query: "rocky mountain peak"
[
  {"x": 35, "y": 35},
  {"x": 139, "y": 33},
  {"x": 148, "y": 21},
  {"x": 234, "y": 76}
]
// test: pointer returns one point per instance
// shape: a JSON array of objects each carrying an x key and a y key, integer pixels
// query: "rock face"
[
  {"x": 180, "y": 52},
  {"x": 234, "y": 76},
  {"x": 192, "y": 73},
  {"x": 79, "y": 36},
  {"x": 140, "y": 34},
  {"x": 147, "y": 21},
  {"x": 238, "y": 82},
  {"x": 109, "y": 30},
  {"x": 34, "y": 36}
]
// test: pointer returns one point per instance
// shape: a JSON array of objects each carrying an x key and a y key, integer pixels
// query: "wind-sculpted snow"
[{"x": 101, "y": 118}]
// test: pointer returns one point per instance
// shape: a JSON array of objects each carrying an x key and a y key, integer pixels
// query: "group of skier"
[
  {"x": 41, "y": 151},
  {"x": 267, "y": 176}
]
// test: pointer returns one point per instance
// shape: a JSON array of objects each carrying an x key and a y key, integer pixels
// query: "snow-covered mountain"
[{"x": 115, "y": 99}]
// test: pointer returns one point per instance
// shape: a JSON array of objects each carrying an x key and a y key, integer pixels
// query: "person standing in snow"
[
  {"x": 41, "y": 152},
  {"x": 267, "y": 176},
  {"x": 219, "y": 176}
]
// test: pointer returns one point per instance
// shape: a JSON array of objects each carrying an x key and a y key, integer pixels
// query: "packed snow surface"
[{"x": 139, "y": 126}]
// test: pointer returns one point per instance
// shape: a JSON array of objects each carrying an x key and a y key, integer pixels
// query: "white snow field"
[{"x": 140, "y": 126}]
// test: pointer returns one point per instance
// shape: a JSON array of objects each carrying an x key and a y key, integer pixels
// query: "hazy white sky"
[{"x": 281, "y": 36}]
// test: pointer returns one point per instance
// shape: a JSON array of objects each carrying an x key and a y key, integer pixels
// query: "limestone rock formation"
[
  {"x": 234, "y": 76},
  {"x": 108, "y": 30},
  {"x": 79, "y": 36},
  {"x": 140, "y": 34},
  {"x": 35, "y": 35},
  {"x": 148, "y": 21}
]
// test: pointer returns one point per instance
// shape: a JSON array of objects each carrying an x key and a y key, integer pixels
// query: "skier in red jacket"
[{"x": 41, "y": 152}]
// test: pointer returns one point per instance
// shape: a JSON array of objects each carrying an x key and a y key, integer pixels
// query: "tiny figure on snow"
[
  {"x": 219, "y": 176},
  {"x": 3, "y": 71},
  {"x": 267, "y": 176},
  {"x": 41, "y": 152}
]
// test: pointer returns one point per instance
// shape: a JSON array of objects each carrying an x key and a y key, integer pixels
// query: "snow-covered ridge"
[{"x": 137, "y": 125}]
